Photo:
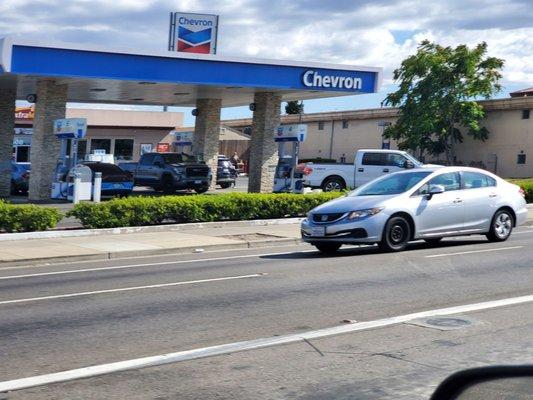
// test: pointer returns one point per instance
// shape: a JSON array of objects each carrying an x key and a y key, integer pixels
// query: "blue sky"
[{"x": 357, "y": 32}]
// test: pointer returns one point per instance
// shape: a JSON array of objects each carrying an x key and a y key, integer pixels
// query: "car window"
[
  {"x": 395, "y": 160},
  {"x": 474, "y": 180},
  {"x": 450, "y": 181},
  {"x": 372, "y": 159},
  {"x": 391, "y": 184},
  {"x": 147, "y": 159},
  {"x": 158, "y": 159}
]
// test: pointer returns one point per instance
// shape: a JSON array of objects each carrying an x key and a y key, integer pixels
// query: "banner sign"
[
  {"x": 24, "y": 112},
  {"x": 183, "y": 138},
  {"x": 163, "y": 147},
  {"x": 291, "y": 133},
  {"x": 70, "y": 128},
  {"x": 193, "y": 33}
]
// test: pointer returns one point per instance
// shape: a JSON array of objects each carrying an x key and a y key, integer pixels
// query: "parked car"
[
  {"x": 169, "y": 172},
  {"x": 226, "y": 172},
  {"x": 369, "y": 164},
  {"x": 20, "y": 177},
  {"x": 115, "y": 181},
  {"x": 424, "y": 203}
]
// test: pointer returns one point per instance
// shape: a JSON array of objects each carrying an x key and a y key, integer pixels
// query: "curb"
[
  {"x": 151, "y": 252},
  {"x": 4, "y": 237}
]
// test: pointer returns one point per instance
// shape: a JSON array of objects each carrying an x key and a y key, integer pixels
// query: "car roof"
[{"x": 382, "y": 150}]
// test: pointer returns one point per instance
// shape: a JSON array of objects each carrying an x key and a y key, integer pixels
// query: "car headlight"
[{"x": 364, "y": 213}]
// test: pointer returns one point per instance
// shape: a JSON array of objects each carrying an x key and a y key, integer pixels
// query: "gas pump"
[
  {"x": 69, "y": 131},
  {"x": 287, "y": 178}
]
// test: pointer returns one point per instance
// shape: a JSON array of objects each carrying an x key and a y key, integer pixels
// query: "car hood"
[
  {"x": 185, "y": 164},
  {"x": 351, "y": 203}
]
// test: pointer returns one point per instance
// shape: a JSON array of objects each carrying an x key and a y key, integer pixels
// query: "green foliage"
[
  {"x": 27, "y": 218},
  {"x": 294, "y": 107},
  {"x": 436, "y": 89},
  {"x": 527, "y": 185},
  {"x": 139, "y": 211}
]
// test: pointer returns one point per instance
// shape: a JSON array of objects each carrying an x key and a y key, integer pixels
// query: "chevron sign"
[{"x": 193, "y": 33}]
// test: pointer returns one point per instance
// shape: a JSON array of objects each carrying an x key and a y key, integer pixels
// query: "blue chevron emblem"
[{"x": 194, "y": 38}]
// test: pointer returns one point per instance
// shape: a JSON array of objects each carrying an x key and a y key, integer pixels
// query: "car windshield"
[
  {"x": 391, "y": 184},
  {"x": 175, "y": 158}
]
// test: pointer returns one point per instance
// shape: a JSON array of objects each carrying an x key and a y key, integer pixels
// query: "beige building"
[{"x": 338, "y": 135}]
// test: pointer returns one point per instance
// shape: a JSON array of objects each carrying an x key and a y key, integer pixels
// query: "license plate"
[
  {"x": 197, "y": 182},
  {"x": 318, "y": 231}
]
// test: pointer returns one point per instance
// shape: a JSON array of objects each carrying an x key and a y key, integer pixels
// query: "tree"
[
  {"x": 437, "y": 88},
  {"x": 294, "y": 107}
]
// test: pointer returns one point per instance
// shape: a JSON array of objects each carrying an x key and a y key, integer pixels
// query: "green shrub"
[
  {"x": 140, "y": 211},
  {"x": 27, "y": 218},
  {"x": 527, "y": 185}
]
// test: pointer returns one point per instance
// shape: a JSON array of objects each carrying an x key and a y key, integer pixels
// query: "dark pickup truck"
[{"x": 168, "y": 172}]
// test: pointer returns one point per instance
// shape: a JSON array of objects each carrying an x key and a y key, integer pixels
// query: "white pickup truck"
[{"x": 369, "y": 164}]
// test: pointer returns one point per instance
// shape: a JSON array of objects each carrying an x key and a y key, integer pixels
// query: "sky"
[{"x": 356, "y": 32}]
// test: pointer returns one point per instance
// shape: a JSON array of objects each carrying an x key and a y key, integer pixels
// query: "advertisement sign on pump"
[
  {"x": 193, "y": 33},
  {"x": 291, "y": 133},
  {"x": 70, "y": 128}
]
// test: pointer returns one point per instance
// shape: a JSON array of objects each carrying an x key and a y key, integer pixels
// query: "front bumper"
[
  {"x": 191, "y": 182},
  {"x": 364, "y": 230}
]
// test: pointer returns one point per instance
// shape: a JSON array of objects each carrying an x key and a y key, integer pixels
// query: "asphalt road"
[{"x": 53, "y": 321}]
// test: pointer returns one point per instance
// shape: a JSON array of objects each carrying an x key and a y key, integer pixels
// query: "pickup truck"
[
  {"x": 168, "y": 172},
  {"x": 369, "y": 164}
]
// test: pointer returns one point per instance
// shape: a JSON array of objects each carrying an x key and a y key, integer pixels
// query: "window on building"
[
  {"x": 344, "y": 124},
  {"x": 525, "y": 114},
  {"x": 320, "y": 125},
  {"x": 124, "y": 149},
  {"x": 101, "y": 144},
  {"x": 521, "y": 159}
]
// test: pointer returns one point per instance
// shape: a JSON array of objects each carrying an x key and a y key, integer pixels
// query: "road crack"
[{"x": 314, "y": 347}]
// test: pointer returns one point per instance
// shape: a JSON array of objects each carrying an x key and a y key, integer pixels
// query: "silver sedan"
[{"x": 429, "y": 204}]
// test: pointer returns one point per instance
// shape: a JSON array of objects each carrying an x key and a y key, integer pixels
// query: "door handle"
[
  {"x": 458, "y": 200},
  {"x": 385, "y": 170},
  {"x": 360, "y": 170},
  {"x": 493, "y": 195}
]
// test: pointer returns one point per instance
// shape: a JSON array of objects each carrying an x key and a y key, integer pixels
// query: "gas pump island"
[
  {"x": 68, "y": 172},
  {"x": 287, "y": 179}
]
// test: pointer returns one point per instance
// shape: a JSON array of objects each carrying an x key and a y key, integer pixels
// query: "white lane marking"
[
  {"x": 474, "y": 251},
  {"x": 75, "y": 271},
  {"x": 126, "y": 289},
  {"x": 211, "y": 351}
]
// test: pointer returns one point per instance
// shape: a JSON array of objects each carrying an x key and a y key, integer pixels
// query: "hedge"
[
  {"x": 139, "y": 211},
  {"x": 27, "y": 218},
  {"x": 527, "y": 185}
]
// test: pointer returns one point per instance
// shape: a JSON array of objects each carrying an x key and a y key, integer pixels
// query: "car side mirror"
[
  {"x": 488, "y": 383},
  {"x": 408, "y": 164},
  {"x": 435, "y": 189}
]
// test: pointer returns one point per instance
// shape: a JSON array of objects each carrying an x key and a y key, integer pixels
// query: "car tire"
[
  {"x": 225, "y": 185},
  {"x": 396, "y": 235},
  {"x": 433, "y": 241},
  {"x": 201, "y": 189},
  {"x": 334, "y": 183},
  {"x": 501, "y": 226},
  {"x": 167, "y": 185},
  {"x": 328, "y": 248}
]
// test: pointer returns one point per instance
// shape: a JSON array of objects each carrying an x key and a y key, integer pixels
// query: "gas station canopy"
[{"x": 99, "y": 75}]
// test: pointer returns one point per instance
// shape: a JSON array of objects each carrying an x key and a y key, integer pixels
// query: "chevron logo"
[{"x": 194, "y": 38}]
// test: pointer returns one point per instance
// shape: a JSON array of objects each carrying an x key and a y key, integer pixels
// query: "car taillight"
[{"x": 522, "y": 192}]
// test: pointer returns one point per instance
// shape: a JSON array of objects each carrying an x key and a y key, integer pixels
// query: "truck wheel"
[
  {"x": 201, "y": 189},
  {"x": 225, "y": 185},
  {"x": 334, "y": 183},
  {"x": 167, "y": 186}
]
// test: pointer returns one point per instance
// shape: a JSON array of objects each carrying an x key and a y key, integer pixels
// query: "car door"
[
  {"x": 393, "y": 162},
  {"x": 480, "y": 200},
  {"x": 443, "y": 213},
  {"x": 371, "y": 168},
  {"x": 144, "y": 170}
]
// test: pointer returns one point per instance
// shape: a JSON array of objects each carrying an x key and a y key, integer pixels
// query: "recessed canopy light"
[
  {"x": 97, "y": 90},
  {"x": 138, "y": 99},
  {"x": 180, "y": 93},
  {"x": 146, "y": 83},
  {"x": 234, "y": 87}
]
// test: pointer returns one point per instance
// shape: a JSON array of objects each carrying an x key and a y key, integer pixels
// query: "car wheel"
[
  {"x": 501, "y": 226},
  {"x": 433, "y": 240},
  {"x": 328, "y": 248},
  {"x": 201, "y": 189},
  {"x": 396, "y": 234},
  {"x": 225, "y": 185},
  {"x": 333, "y": 184},
  {"x": 167, "y": 185}
]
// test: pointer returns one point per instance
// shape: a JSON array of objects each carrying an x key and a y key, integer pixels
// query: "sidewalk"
[{"x": 99, "y": 244}]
